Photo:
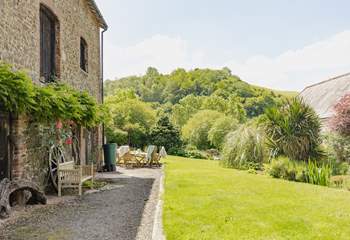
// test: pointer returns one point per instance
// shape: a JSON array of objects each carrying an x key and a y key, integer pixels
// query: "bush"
[
  {"x": 165, "y": 134},
  {"x": 284, "y": 168},
  {"x": 220, "y": 129},
  {"x": 117, "y": 136},
  {"x": 195, "y": 131},
  {"x": 310, "y": 172},
  {"x": 318, "y": 175},
  {"x": 340, "y": 122},
  {"x": 294, "y": 131},
  {"x": 188, "y": 153},
  {"x": 338, "y": 146},
  {"x": 244, "y": 149}
]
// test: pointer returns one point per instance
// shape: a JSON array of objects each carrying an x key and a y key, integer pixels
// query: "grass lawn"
[{"x": 204, "y": 201}]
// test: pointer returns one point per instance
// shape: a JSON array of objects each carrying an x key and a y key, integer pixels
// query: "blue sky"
[{"x": 274, "y": 43}]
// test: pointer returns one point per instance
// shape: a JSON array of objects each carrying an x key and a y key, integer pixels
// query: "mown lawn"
[{"x": 204, "y": 201}]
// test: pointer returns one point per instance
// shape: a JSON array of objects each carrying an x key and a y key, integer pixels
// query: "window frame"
[
  {"x": 84, "y": 55},
  {"x": 52, "y": 57}
]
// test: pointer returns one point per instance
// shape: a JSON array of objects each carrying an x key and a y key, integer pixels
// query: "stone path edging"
[{"x": 158, "y": 231}]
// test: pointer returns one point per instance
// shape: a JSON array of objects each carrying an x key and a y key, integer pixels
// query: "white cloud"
[
  {"x": 163, "y": 52},
  {"x": 296, "y": 69},
  {"x": 292, "y": 70}
]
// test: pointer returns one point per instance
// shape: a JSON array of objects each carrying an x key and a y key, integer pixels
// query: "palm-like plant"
[{"x": 294, "y": 131}]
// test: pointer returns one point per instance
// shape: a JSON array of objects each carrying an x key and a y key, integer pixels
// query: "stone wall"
[
  {"x": 20, "y": 39},
  {"x": 20, "y": 46}
]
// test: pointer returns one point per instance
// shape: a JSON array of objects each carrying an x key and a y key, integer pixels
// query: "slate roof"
[
  {"x": 93, "y": 7},
  {"x": 324, "y": 95}
]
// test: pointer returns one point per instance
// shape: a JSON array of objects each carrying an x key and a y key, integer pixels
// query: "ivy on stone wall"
[
  {"x": 17, "y": 91},
  {"x": 49, "y": 103}
]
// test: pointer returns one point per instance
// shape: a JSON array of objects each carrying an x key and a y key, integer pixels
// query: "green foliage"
[
  {"x": 16, "y": 91},
  {"x": 118, "y": 136},
  {"x": 220, "y": 129},
  {"x": 318, "y": 175},
  {"x": 47, "y": 104},
  {"x": 189, "y": 152},
  {"x": 95, "y": 184},
  {"x": 220, "y": 85},
  {"x": 244, "y": 149},
  {"x": 311, "y": 172},
  {"x": 59, "y": 101},
  {"x": 165, "y": 134},
  {"x": 294, "y": 130},
  {"x": 185, "y": 109},
  {"x": 338, "y": 146},
  {"x": 184, "y": 94},
  {"x": 130, "y": 115},
  {"x": 284, "y": 168},
  {"x": 196, "y": 130}
]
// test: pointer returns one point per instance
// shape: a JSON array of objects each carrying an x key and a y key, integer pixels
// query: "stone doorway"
[{"x": 4, "y": 146}]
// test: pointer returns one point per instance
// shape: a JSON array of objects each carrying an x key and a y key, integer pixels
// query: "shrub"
[
  {"x": 340, "y": 181},
  {"x": 310, "y": 172},
  {"x": 294, "y": 131},
  {"x": 165, "y": 134},
  {"x": 188, "y": 153},
  {"x": 195, "y": 131},
  {"x": 318, "y": 175},
  {"x": 220, "y": 129},
  {"x": 338, "y": 146},
  {"x": 117, "y": 136},
  {"x": 340, "y": 122},
  {"x": 284, "y": 168},
  {"x": 244, "y": 149}
]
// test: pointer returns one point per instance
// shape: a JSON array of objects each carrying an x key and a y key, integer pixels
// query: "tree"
[
  {"x": 185, "y": 109},
  {"x": 220, "y": 129},
  {"x": 196, "y": 130},
  {"x": 130, "y": 115},
  {"x": 165, "y": 134},
  {"x": 340, "y": 122},
  {"x": 294, "y": 130}
]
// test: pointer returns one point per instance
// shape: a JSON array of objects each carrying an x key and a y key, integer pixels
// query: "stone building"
[
  {"x": 323, "y": 96},
  {"x": 50, "y": 39}
]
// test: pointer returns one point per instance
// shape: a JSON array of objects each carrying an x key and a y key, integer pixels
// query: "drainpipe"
[{"x": 102, "y": 77}]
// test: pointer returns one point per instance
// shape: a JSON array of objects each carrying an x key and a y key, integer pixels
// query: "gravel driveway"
[{"x": 123, "y": 210}]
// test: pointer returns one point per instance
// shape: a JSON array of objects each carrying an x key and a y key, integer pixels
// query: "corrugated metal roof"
[
  {"x": 324, "y": 95},
  {"x": 93, "y": 6}
]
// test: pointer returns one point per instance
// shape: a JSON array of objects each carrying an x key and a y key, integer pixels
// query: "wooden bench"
[{"x": 73, "y": 176}]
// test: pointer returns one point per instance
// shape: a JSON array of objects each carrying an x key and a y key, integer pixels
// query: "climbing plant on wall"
[{"x": 49, "y": 103}]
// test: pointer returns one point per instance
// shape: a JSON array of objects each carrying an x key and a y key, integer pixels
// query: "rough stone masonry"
[{"x": 20, "y": 46}]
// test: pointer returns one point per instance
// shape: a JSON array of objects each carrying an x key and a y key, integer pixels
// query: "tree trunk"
[{"x": 7, "y": 188}]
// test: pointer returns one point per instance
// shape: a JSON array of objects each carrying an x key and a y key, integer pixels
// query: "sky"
[{"x": 280, "y": 44}]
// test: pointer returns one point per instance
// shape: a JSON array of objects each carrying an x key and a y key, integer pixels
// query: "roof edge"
[
  {"x": 324, "y": 81},
  {"x": 94, "y": 8}
]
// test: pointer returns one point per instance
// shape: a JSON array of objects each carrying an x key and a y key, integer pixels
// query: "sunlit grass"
[{"x": 204, "y": 201}]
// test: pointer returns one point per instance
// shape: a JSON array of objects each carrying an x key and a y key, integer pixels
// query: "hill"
[{"x": 172, "y": 88}]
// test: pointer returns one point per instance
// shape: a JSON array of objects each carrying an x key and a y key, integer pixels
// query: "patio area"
[{"x": 124, "y": 209}]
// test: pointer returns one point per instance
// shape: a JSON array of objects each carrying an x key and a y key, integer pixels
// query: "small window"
[
  {"x": 83, "y": 55},
  {"x": 48, "y": 44}
]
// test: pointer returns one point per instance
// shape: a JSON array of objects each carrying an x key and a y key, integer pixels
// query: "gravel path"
[{"x": 123, "y": 210}]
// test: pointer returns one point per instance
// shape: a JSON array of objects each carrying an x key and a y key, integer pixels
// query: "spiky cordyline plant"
[{"x": 294, "y": 131}]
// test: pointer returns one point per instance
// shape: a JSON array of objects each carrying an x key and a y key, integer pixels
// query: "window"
[
  {"x": 48, "y": 46},
  {"x": 83, "y": 55}
]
